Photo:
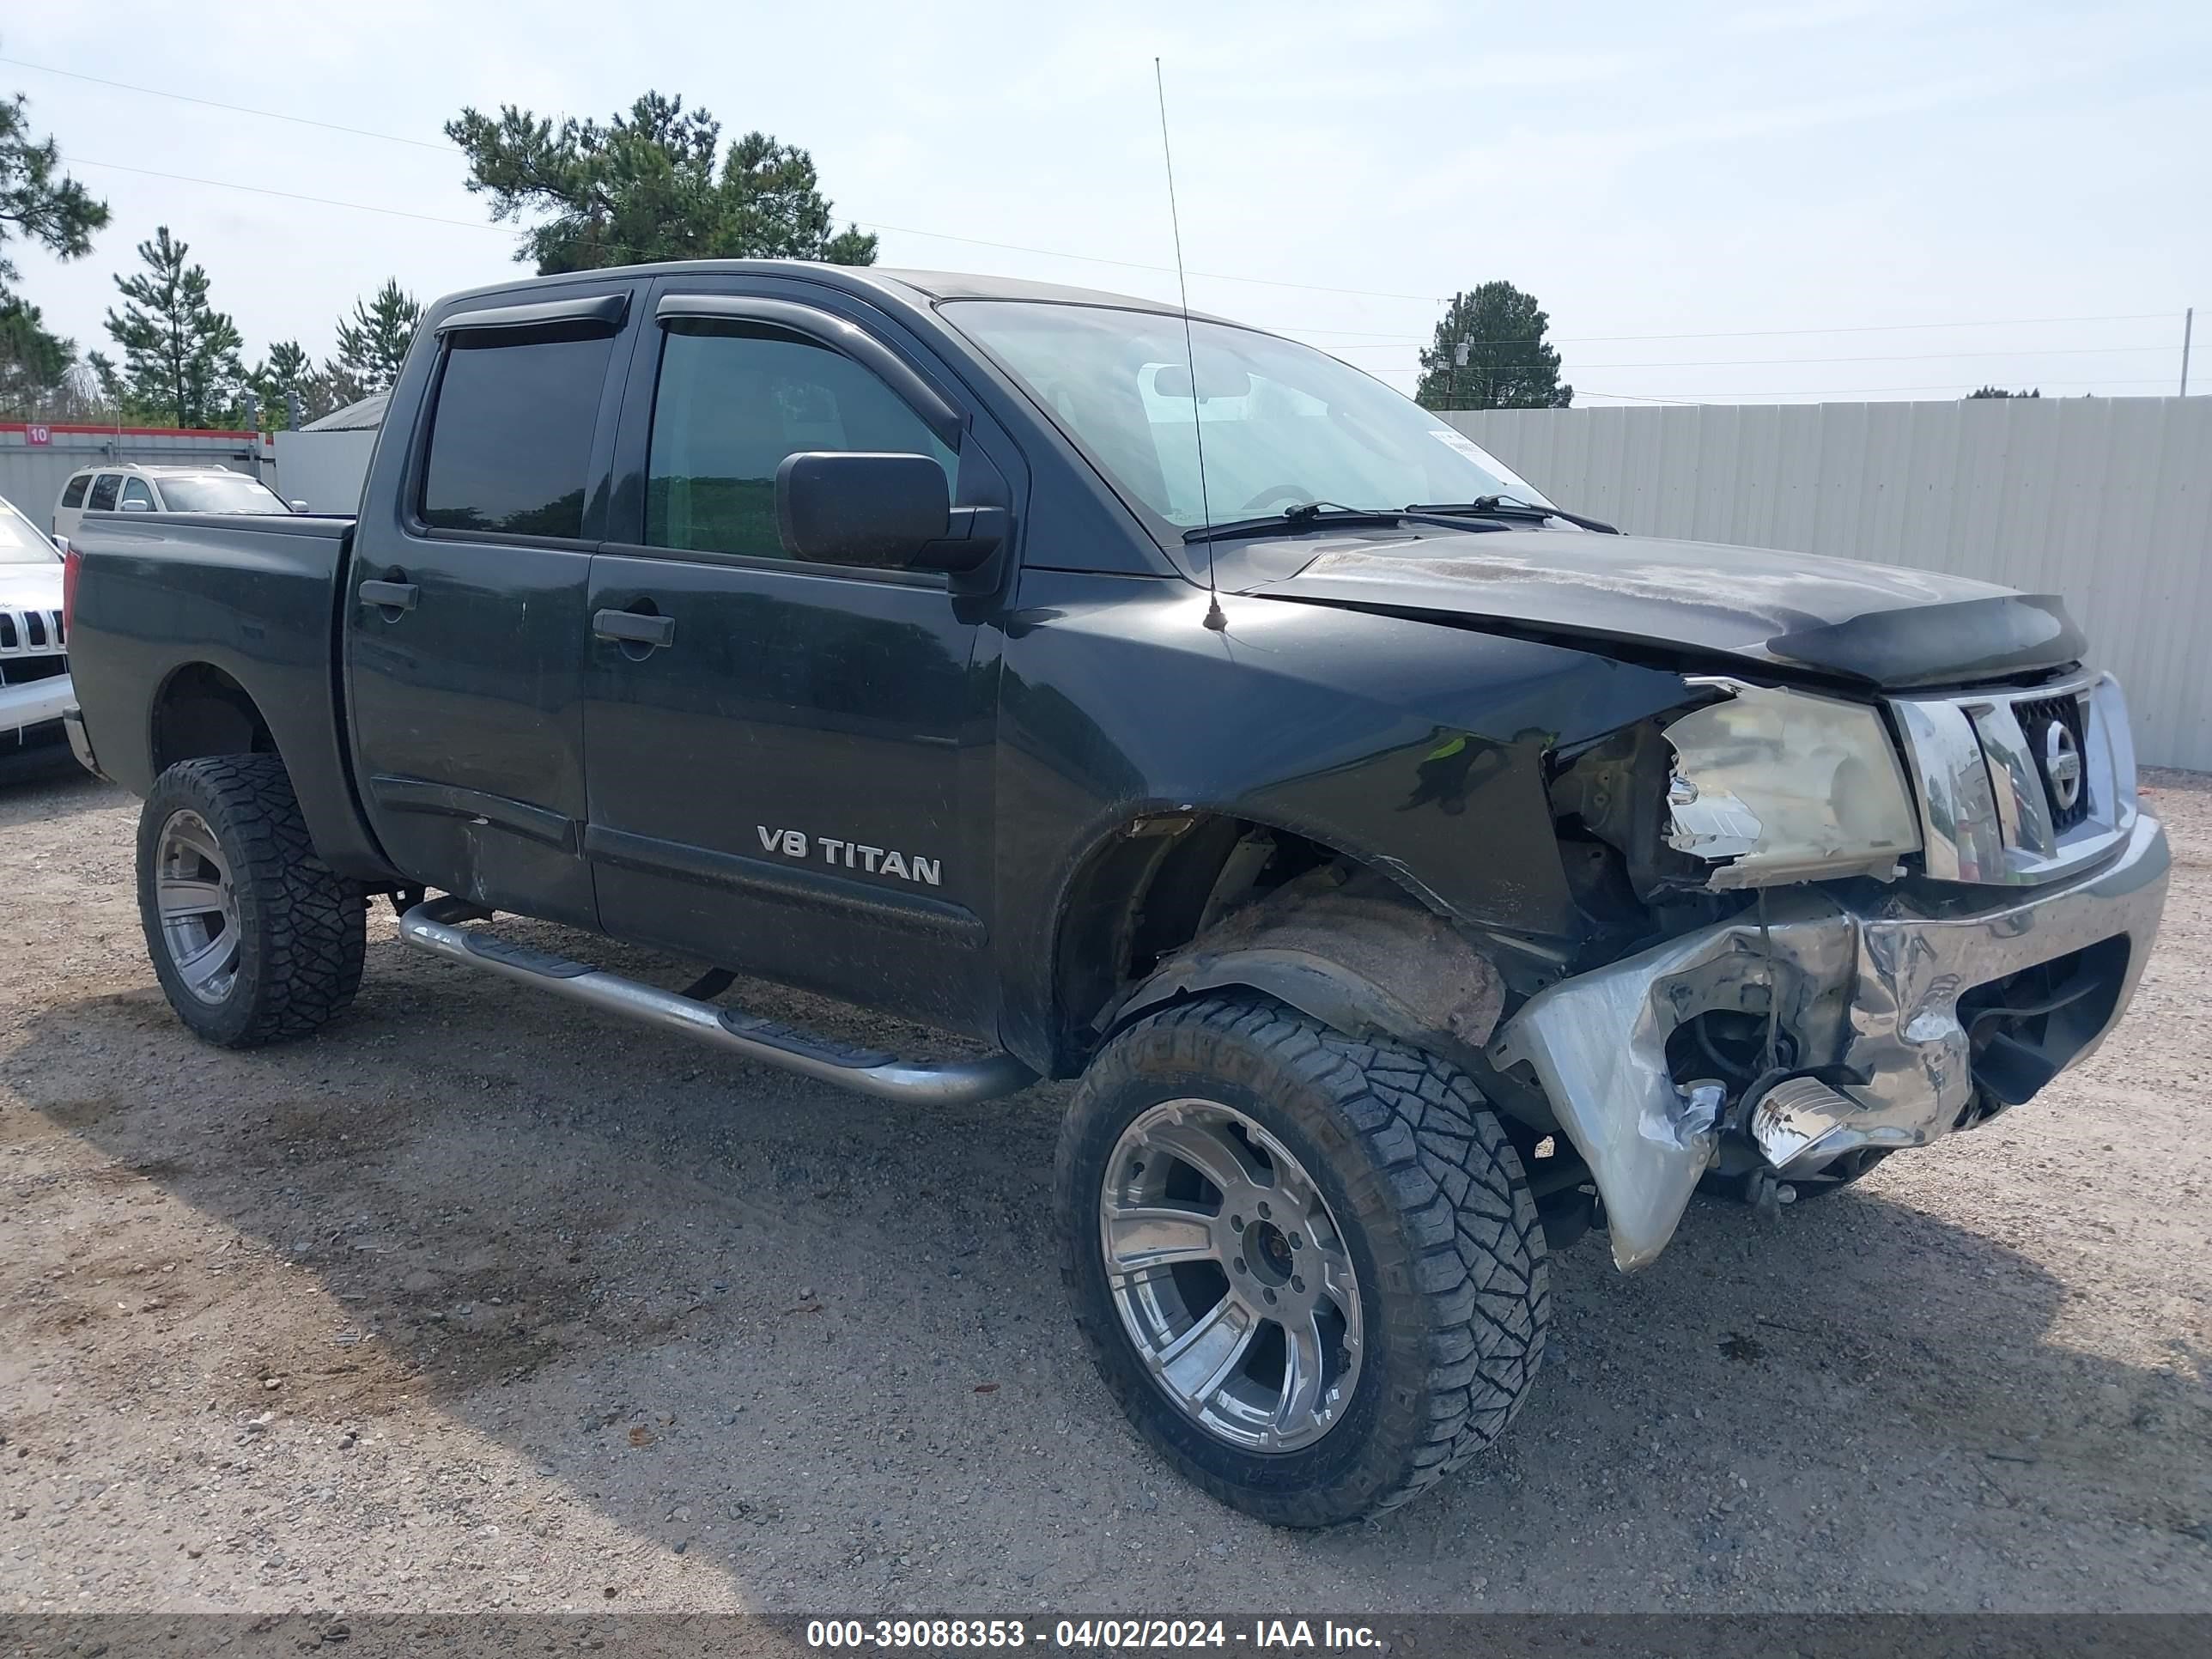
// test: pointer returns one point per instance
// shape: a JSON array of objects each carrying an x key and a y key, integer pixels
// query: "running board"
[{"x": 435, "y": 926}]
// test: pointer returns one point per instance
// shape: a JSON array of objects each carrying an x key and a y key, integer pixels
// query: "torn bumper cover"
[{"x": 1868, "y": 985}]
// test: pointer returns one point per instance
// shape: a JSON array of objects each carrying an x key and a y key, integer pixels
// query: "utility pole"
[{"x": 2188, "y": 327}]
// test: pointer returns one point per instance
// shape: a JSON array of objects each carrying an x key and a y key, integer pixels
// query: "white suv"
[
  {"x": 34, "y": 682},
  {"x": 126, "y": 487}
]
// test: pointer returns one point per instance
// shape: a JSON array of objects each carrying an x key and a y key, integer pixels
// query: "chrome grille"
[
  {"x": 2053, "y": 728},
  {"x": 30, "y": 633},
  {"x": 1992, "y": 772}
]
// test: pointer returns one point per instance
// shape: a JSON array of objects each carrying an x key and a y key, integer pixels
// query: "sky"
[{"x": 1837, "y": 199}]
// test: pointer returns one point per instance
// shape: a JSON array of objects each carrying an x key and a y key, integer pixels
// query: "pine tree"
[
  {"x": 34, "y": 362},
  {"x": 283, "y": 372},
  {"x": 374, "y": 344},
  {"x": 655, "y": 183},
  {"x": 180, "y": 355},
  {"x": 1490, "y": 353},
  {"x": 42, "y": 204}
]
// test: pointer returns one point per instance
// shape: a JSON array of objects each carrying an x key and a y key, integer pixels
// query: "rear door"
[
  {"x": 789, "y": 764},
  {"x": 465, "y": 625}
]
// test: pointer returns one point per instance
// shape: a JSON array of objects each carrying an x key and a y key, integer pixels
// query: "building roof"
[{"x": 365, "y": 416}]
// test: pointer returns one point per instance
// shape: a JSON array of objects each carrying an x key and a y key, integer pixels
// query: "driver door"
[{"x": 788, "y": 763}]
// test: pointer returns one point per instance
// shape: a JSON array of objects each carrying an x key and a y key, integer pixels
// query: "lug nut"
[
  {"x": 1235, "y": 1224},
  {"x": 1297, "y": 1284},
  {"x": 1298, "y": 1241},
  {"x": 1270, "y": 1298},
  {"x": 1241, "y": 1267},
  {"x": 1263, "y": 1209}
]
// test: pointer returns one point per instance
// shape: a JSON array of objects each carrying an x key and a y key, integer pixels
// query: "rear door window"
[
  {"x": 104, "y": 488},
  {"x": 511, "y": 435},
  {"x": 74, "y": 494}
]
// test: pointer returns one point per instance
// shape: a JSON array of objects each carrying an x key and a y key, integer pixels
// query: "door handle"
[
  {"x": 391, "y": 596},
  {"x": 634, "y": 627}
]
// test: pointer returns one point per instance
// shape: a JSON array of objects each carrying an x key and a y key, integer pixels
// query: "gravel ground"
[{"x": 478, "y": 1302}]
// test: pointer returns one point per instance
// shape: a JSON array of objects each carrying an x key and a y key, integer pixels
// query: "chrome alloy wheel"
[
  {"x": 1230, "y": 1276},
  {"x": 193, "y": 896}
]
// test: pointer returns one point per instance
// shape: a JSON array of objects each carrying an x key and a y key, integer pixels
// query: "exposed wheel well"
[
  {"x": 1150, "y": 891},
  {"x": 202, "y": 711}
]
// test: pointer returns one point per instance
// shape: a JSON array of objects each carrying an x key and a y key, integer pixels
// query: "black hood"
[{"x": 1838, "y": 618}]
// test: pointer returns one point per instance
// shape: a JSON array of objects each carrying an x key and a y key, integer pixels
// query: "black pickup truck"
[{"x": 1415, "y": 875}]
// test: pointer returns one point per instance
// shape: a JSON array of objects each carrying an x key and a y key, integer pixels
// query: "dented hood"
[{"x": 1875, "y": 624}]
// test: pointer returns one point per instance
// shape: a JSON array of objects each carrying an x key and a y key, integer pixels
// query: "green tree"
[
  {"x": 283, "y": 372},
  {"x": 1999, "y": 392},
  {"x": 1490, "y": 353},
  {"x": 653, "y": 185},
  {"x": 374, "y": 344},
  {"x": 34, "y": 362},
  {"x": 180, "y": 362},
  {"x": 41, "y": 204}
]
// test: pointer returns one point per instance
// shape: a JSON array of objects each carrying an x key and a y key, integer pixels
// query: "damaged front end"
[{"x": 1857, "y": 996}]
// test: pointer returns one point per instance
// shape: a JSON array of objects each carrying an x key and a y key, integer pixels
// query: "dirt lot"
[{"x": 476, "y": 1302}]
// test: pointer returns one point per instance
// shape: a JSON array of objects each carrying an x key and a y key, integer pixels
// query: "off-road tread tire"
[
  {"x": 302, "y": 928},
  {"x": 1410, "y": 1157}
]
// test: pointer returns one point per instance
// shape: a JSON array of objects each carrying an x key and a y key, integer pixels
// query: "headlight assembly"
[{"x": 1774, "y": 786}]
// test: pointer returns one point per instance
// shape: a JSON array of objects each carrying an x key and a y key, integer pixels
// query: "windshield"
[
  {"x": 1283, "y": 424},
  {"x": 20, "y": 540},
  {"x": 225, "y": 492}
]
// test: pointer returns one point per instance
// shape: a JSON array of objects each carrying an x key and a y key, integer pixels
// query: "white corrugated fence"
[{"x": 2105, "y": 501}]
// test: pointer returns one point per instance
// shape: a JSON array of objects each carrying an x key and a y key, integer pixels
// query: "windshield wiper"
[
  {"x": 1506, "y": 506},
  {"x": 1317, "y": 515}
]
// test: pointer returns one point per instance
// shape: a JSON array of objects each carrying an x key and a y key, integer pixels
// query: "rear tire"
[
  {"x": 1393, "y": 1169},
  {"x": 253, "y": 938}
]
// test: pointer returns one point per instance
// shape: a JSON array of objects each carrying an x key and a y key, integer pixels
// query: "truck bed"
[{"x": 250, "y": 598}]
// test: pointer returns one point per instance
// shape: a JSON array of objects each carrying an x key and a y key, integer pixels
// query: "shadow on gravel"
[
  {"x": 821, "y": 1343},
  {"x": 45, "y": 782}
]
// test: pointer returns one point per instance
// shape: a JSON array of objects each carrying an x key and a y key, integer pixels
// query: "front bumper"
[
  {"x": 1869, "y": 986},
  {"x": 35, "y": 701}
]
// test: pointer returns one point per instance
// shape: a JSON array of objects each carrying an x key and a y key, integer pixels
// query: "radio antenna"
[{"x": 1214, "y": 619}]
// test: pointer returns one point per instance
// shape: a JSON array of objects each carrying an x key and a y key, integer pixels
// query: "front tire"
[
  {"x": 1245, "y": 1192},
  {"x": 253, "y": 938}
]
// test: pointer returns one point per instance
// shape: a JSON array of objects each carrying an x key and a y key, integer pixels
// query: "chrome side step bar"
[{"x": 436, "y": 926}]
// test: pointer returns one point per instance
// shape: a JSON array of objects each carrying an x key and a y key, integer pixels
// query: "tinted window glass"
[
  {"x": 134, "y": 490},
  {"x": 511, "y": 437},
  {"x": 74, "y": 496},
  {"x": 102, "y": 499},
  {"x": 733, "y": 400}
]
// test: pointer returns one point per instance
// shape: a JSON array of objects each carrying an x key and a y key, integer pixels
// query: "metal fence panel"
[{"x": 2106, "y": 500}]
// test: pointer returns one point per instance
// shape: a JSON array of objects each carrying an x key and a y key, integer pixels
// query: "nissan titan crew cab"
[{"x": 1416, "y": 875}]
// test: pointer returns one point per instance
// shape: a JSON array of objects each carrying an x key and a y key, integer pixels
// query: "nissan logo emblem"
[{"x": 2062, "y": 764}]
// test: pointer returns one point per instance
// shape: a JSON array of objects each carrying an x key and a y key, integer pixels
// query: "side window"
[
  {"x": 733, "y": 399},
  {"x": 511, "y": 435},
  {"x": 102, "y": 499},
  {"x": 135, "y": 490},
  {"x": 74, "y": 494}
]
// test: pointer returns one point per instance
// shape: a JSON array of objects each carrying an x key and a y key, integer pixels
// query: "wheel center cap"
[{"x": 1268, "y": 1253}]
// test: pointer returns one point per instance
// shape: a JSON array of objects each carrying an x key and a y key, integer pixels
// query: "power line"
[
  {"x": 1137, "y": 264},
  {"x": 1011, "y": 247},
  {"x": 1843, "y": 390},
  {"x": 1902, "y": 357},
  {"x": 1769, "y": 333},
  {"x": 1042, "y": 252},
  {"x": 1907, "y": 357},
  {"x": 289, "y": 194},
  {"x": 236, "y": 109}
]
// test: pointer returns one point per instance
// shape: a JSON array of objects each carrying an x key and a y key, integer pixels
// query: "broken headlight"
[{"x": 1773, "y": 785}]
